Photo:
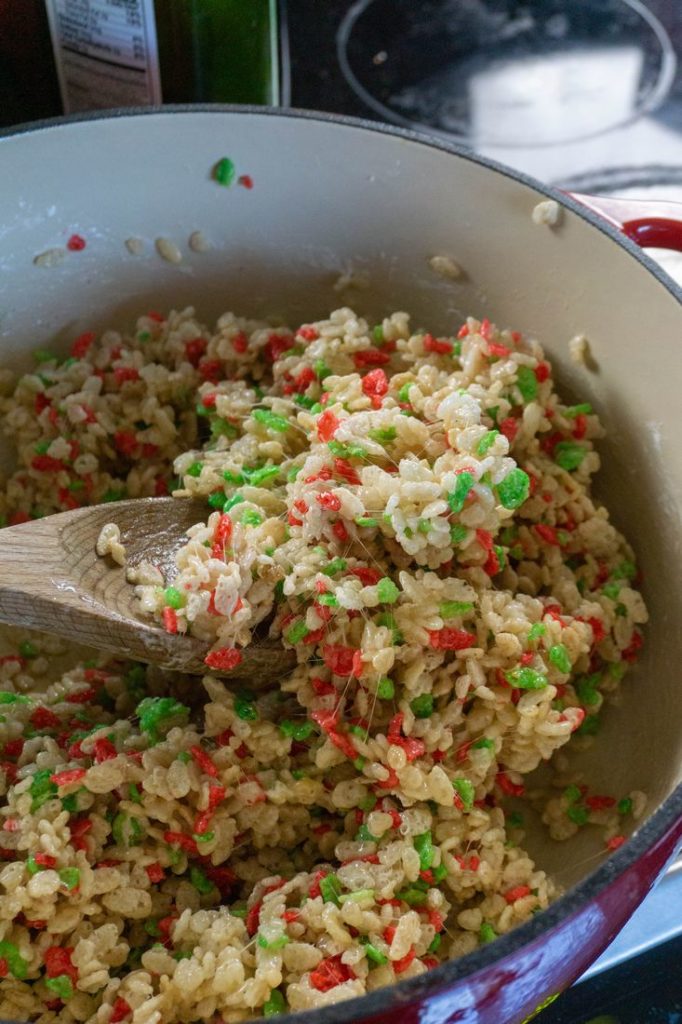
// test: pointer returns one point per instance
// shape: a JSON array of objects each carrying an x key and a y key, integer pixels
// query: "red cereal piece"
[
  {"x": 401, "y": 965},
  {"x": 103, "y": 750},
  {"x": 308, "y": 333},
  {"x": 339, "y": 659},
  {"x": 548, "y": 534},
  {"x": 542, "y": 371},
  {"x": 81, "y": 696},
  {"x": 47, "y": 464},
  {"x": 253, "y": 918},
  {"x": 329, "y": 973},
  {"x": 245, "y": 180},
  {"x": 170, "y": 620},
  {"x": 58, "y": 961},
  {"x": 68, "y": 777},
  {"x": 14, "y": 748},
  {"x": 203, "y": 761},
  {"x": 517, "y": 893},
  {"x": 195, "y": 348},
  {"x": 448, "y": 639},
  {"x": 202, "y": 822},
  {"x": 43, "y": 718},
  {"x": 437, "y": 346},
  {"x": 370, "y": 357},
  {"x": 180, "y": 839},
  {"x": 580, "y": 427},
  {"x": 375, "y": 386},
  {"x": 211, "y": 370},
  {"x": 391, "y": 782},
  {"x": 615, "y": 842},
  {"x": 291, "y": 915},
  {"x": 630, "y": 652},
  {"x": 368, "y": 577},
  {"x": 277, "y": 345},
  {"x": 125, "y": 442},
  {"x": 463, "y": 331},
  {"x": 155, "y": 872},
  {"x": 600, "y": 803},
  {"x": 495, "y": 349},
  {"x": 321, "y": 687},
  {"x": 507, "y": 786},
  {"x": 120, "y": 1010},
  {"x": 328, "y": 501},
  {"x": 343, "y": 468},
  {"x": 122, "y": 374},
  {"x": 485, "y": 330},
  {"x": 82, "y": 343},
  {"x": 327, "y": 425},
  {"x": 45, "y": 860},
  {"x": 340, "y": 532},
  {"x": 599, "y": 632},
  {"x": 225, "y": 658}
]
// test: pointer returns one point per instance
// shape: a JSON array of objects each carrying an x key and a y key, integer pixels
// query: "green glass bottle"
[{"x": 123, "y": 53}]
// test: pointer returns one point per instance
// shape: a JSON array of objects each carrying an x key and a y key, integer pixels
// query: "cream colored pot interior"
[{"x": 331, "y": 199}]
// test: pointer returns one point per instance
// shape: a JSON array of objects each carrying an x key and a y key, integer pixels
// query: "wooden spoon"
[{"x": 52, "y": 579}]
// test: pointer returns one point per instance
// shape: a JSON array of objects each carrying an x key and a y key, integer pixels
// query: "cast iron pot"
[{"x": 333, "y": 196}]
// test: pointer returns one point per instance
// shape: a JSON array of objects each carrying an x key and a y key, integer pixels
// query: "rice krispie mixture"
[{"x": 413, "y": 515}]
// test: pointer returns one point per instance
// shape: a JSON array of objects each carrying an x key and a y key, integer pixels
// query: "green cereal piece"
[
  {"x": 625, "y": 805},
  {"x": 298, "y": 632},
  {"x": 387, "y": 592},
  {"x": 486, "y": 932},
  {"x": 298, "y": 774},
  {"x": 184, "y": 756},
  {"x": 413, "y": 896},
  {"x": 245, "y": 709},
  {"x": 28, "y": 650},
  {"x": 527, "y": 383},
  {"x": 558, "y": 656},
  {"x": 368, "y": 802},
  {"x": 173, "y": 597},
  {"x": 590, "y": 726},
  {"x": 297, "y": 730},
  {"x": 388, "y": 620},
  {"x": 70, "y": 877},
  {"x": 251, "y": 518},
  {"x": 366, "y": 521},
  {"x": 515, "y": 820},
  {"x": 201, "y": 883},
  {"x": 384, "y": 434},
  {"x": 330, "y": 889},
  {"x": 577, "y": 410},
  {"x": 13, "y": 698},
  {"x": 222, "y": 428},
  {"x": 451, "y": 609},
  {"x": 435, "y": 944},
  {"x": 537, "y": 630},
  {"x": 236, "y": 499},
  {"x": 61, "y": 986},
  {"x": 126, "y": 830},
  {"x": 275, "y": 1005},
  {"x": 439, "y": 873},
  {"x": 363, "y": 835},
  {"x": 466, "y": 792},
  {"x": 456, "y": 498},
  {"x": 70, "y": 802},
  {"x": 458, "y": 532},
  {"x": 271, "y": 420},
  {"x": 279, "y": 943},
  {"x": 31, "y": 865},
  {"x": 217, "y": 499},
  {"x": 328, "y": 600},
  {"x": 203, "y": 837},
  {"x": 134, "y": 794},
  {"x": 157, "y": 714},
  {"x": 424, "y": 525},
  {"x": 9, "y": 951},
  {"x": 42, "y": 789},
  {"x": 514, "y": 489},
  {"x": 486, "y": 442},
  {"x": 321, "y": 369},
  {"x": 224, "y": 172},
  {"x": 195, "y": 469},
  {"x": 41, "y": 355},
  {"x": 483, "y": 744},
  {"x": 611, "y": 590},
  {"x": 422, "y": 706},
  {"x": 374, "y": 955},
  {"x": 404, "y": 393},
  {"x": 578, "y": 815},
  {"x": 493, "y": 412},
  {"x": 423, "y": 844},
  {"x": 238, "y": 910},
  {"x": 183, "y": 954},
  {"x": 114, "y": 494},
  {"x": 378, "y": 333},
  {"x": 256, "y": 477},
  {"x": 336, "y": 565},
  {"x": 304, "y": 401},
  {"x": 572, "y": 794},
  {"x": 526, "y": 679},
  {"x": 385, "y": 688},
  {"x": 569, "y": 455},
  {"x": 625, "y": 570}
]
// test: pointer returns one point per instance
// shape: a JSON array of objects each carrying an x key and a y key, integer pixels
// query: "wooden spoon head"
[{"x": 92, "y": 600}]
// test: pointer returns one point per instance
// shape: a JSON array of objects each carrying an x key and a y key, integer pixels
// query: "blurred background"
[{"x": 583, "y": 94}]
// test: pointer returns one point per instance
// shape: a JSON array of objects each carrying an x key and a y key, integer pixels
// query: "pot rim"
[{"x": 655, "y": 827}]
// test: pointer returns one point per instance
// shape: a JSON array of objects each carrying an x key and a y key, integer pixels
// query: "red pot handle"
[{"x": 650, "y": 223}]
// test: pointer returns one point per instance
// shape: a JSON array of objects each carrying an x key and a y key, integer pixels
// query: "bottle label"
[{"x": 106, "y": 53}]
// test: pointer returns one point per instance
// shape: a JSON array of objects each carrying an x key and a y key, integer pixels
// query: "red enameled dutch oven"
[{"x": 333, "y": 196}]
